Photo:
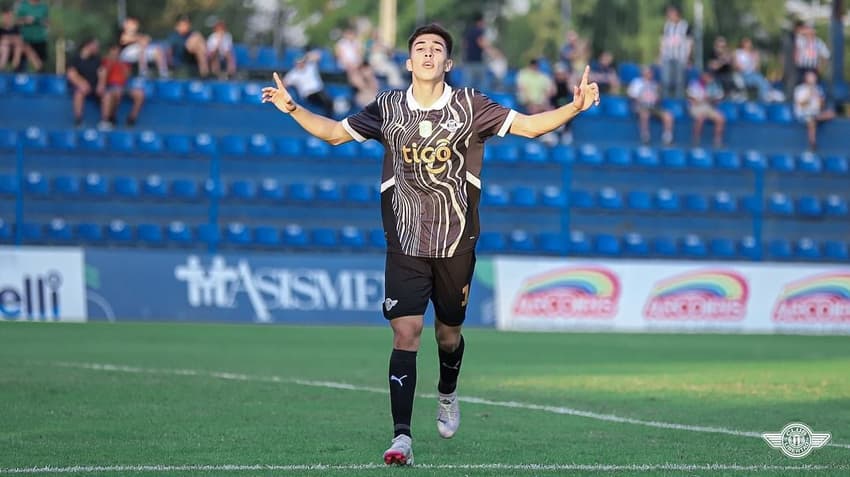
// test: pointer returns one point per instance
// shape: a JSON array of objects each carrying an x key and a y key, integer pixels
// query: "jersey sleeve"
[
  {"x": 365, "y": 124},
  {"x": 490, "y": 117}
]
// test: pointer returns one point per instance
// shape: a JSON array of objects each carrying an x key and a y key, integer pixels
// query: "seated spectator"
[
  {"x": 11, "y": 43},
  {"x": 574, "y": 53},
  {"x": 87, "y": 79},
  {"x": 220, "y": 51},
  {"x": 349, "y": 54},
  {"x": 32, "y": 18},
  {"x": 720, "y": 64},
  {"x": 810, "y": 106},
  {"x": 381, "y": 59},
  {"x": 563, "y": 94},
  {"x": 703, "y": 92},
  {"x": 305, "y": 78},
  {"x": 117, "y": 75},
  {"x": 604, "y": 73},
  {"x": 366, "y": 86},
  {"x": 747, "y": 66},
  {"x": 644, "y": 91},
  {"x": 188, "y": 46},
  {"x": 136, "y": 47},
  {"x": 534, "y": 88}
]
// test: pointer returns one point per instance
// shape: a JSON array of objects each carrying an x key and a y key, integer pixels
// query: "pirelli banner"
[
  {"x": 575, "y": 295},
  {"x": 42, "y": 284}
]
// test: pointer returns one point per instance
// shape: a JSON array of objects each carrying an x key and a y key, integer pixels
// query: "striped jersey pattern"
[{"x": 430, "y": 183}]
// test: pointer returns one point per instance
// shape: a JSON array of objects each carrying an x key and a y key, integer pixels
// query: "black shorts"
[{"x": 409, "y": 282}]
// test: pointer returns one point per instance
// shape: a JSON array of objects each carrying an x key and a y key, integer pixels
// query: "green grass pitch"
[{"x": 192, "y": 399}]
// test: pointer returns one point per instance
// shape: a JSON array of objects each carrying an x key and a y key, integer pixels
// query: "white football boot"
[
  {"x": 448, "y": 414},
  {"x": 400, "y": 452}
]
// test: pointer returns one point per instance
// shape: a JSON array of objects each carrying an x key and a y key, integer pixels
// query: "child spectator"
[
  {"x": 644, "y": 91},
  {"x": 136, "y": 47},
  {"x": 117, "y": 75},
  {"x": 220, "y": 50},
  {"x": 703, "y": 92},
  {"x": 810, "y": 106}
]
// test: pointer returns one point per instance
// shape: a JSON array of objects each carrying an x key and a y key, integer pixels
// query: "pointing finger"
[
  {"x": 585, "y": 76},
  {"x": 277, "y": 80}
]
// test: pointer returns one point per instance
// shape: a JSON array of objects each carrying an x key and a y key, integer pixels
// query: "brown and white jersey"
[{"x": 430, "y": 184}]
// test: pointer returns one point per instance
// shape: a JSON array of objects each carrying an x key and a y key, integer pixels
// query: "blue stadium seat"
[
  {"x": 723, "y": 248},
  {"x": 646, "y": 157},
  {"x": 832, "y": 164},
  {"x": 628, "y": 71},
  {"x": 521, "y": 241},
  {"x": 315, "y": 147},
  {"x": 242, "y": 189},
  {"x": 639, "y": 200},
  {"x": 589, "y": 154},
  {"x": 266, "y": 59},
  {"x": 809, "y": 206},
  {"x": 352, "y": 237},
  {"x": 616, "y": 106},
  {"x": 150, "y": 234},
  {"x": 377, "y": 239},
  {"x": 755, "y": 160},
  {"x": 205, "y": 144},
  {"x": 753, "y": 112},
  {"x": 252, "y": 93},
  {"x": 4, "y": 83},
  {"x": 347, "y": 150},
  {"x": 358, "y": 193},
  {"x": 780, "y": 113},
  {"x": 119, "y": 232},
  {"x": 730, "y": 111},
  {"x": 696, "y": 203},
  {"x": 694, "y": 247},
  {"x": 233, "y": 145},
  {"x": 149, "y": 142},
  {"x": 782, "y": 162},
  {"x": 238, "y": 234},
  {"x": 618, "y": 156},
  {"x": 271, "y": 189},
  {"x": 563, "y": 154},
  {"x": 809, "y": 162},
  {"x": 807, "y": 248},
  {"x": 121, "y": 141},
  {"x": 579, "y": 243},
  {"x": 492, "y": 242},
  {"x": 494, "y": 195},
  {"x": 505, "y": 99},
  {"x": 95, "y": 185},
  {"x": 179, "y": 144},
  {"x": 666, "y": 200},
  {"x": 67, "y": 185},
  {"x": 750, "y": 248},
  {"x": 328, "y": 190},
  {"x": 25, "y": 84},
  {"x": 327, "y": 62},
  {"x": 372, "y": 150},
  {"x": 835, "y": 206},
  {"x": 324, "y": 237},
  {"x": 185, "y": 189},
  {"x": 581, "y": 199},
  {"x": 524, "y": 196},
  {"x": 634, "y": 245},
  {"x": 36, "y": 184},
  {"x": 199, "y": 92},
  {"x": 551, "y": 242},
  {"x": 213, "y": 188},
  {"x": 59, "y": 231},
  {"x": 226, "y": 93},
  {"x": 752, "y": 204},
  {"x": 722, "y": 201},
  {"x": 31, "y": 232},
  {"x": 609, "y": 198},
  {"x": 8, "y": 185},
  {"x": 728, "y": 160},
  {"x": 835, "y": 250},
  {"x": 534, "y": 151},
  {"x": 553, "y": 196},
  {"x": 209, "y": 234},
  {"x": 780, "y": 249},
  {"x": 673, "y": 158},
  {"x": 676, "y": 107},
  {"x": 301, "y": 192},
  {"x": 90, "y": 232},
  {"x": 606, "y": 244},
  {"x": 34, "y": 138},
  {"x": 169, "y": 90},
  {"x": 260, "y": 146},
  {"x": 8, "y": 139},
  {"x": 290, "y": 55},
  {"x": 780, "y": 204},
  {"x": 63, "y": 140},
  {"x": 242, "y": 54},
  {"x": 92, "y": 140},
  {"x": 505, "y": 152},
  {"x": 290, "y": 147},
  {"x": 177, "y": 232},
  {"x": 154, "y": 187},
  {"x": 665, "y": 247},
  {"x": 54, "y": 85},
  {"x": 699, "y": 158},
  {"x": 126, "y": 187},
  {"x": 267, "y": 236}
]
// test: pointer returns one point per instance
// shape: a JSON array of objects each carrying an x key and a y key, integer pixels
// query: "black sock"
[
  {"x": 449, "y": 368},
  {"x": 402, "y": 387}
]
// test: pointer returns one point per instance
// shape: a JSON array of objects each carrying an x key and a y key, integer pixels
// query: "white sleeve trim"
[
  {"x": 356, "y": 135},
  {"x": 506, "y": 126},
  {"x": 387, "y": 184},
  {"x": 473, "y": 180}
]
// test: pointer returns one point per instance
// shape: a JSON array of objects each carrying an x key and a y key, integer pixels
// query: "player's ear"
[
  {"x": 409, "y": 65},
  {"x": 449, "y": 64}
]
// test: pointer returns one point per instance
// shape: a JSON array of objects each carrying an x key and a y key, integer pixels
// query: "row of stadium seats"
[
  {"x": 155, "y": 187},
  {"x": 118, "y": 232}
]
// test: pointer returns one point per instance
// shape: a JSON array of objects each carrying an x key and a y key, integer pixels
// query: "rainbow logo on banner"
[
  {"x": 569, "y": 293},
  {"x": 823, "y": 298},
  {"x": 703, "y": 295}
]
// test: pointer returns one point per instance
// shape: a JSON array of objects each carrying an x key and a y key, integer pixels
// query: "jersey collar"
[{"x": 439, "y": 104}]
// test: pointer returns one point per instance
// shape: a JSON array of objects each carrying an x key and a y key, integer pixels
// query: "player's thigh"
[
  {"x": 407, "y": 285},
  {"x": 452, "y": 280}
]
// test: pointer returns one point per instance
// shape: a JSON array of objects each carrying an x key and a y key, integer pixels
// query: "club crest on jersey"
[
  {"x": 452, "y": 125},
  {"x": 425, "y": 129}
]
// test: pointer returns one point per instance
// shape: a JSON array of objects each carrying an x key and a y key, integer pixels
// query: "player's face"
[{"x": 429, "y": 59}]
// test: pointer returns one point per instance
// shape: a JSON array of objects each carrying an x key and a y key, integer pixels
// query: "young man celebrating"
[{"x": 433, "y": 136}]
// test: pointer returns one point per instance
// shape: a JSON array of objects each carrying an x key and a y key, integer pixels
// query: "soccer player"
[{"x": 433, "y": 136}]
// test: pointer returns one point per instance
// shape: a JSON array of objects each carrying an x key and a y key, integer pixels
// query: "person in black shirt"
[
  {"x": 433, "y": 138},
  {"x": 11, "y": 43},
  {"x": 86, "y": 77}
]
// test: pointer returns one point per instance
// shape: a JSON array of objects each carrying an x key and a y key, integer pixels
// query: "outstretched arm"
[
  {"x": 585, "y": 95},
  {"x": 326, "y": 129}
]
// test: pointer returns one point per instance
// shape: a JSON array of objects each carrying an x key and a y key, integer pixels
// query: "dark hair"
[{"x": 434, "y": 29}]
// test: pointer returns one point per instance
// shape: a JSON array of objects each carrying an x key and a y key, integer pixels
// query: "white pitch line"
[
  {"x": 470, "y": 399},
  {"x": 97, "y": 469}
]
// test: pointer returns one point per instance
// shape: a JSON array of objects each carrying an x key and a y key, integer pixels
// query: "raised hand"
[
  {"x": 279, "y": 96},
  {"x": 585, "y": 94}
]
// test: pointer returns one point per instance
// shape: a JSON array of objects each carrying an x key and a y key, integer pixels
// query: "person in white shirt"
[
  {"x": 747, "y": 68},
  {"x": 675, "y": 52},
  {"x": 307, "y": 81},
  {"x": 644, "y": 92},
  {"x": 702, "y": 93},
  {"x": 220, "y": 51},
  {"x": 810, "y": 106}
]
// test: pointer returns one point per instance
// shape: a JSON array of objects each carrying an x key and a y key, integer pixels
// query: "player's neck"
[{"x": 427, "y": 93}]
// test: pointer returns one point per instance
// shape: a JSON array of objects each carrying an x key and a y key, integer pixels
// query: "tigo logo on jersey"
[
  {"x": 817, "y": 299},
  {"x": 711, "y": 295},
  {"x": 575, "y": 292},
  {"x": 434, "y": 158}
]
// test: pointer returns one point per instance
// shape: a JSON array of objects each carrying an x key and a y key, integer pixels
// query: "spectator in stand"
[
  {"x": 809, "y": 51},
  {"x": 644, "y": 91},
  {"x": 32, "y": 18},
  {"x": 350, "y": 55},
  {"x": 188, "y": 46},
  {"x": 574, "y": 52},
  {"x": 563, "y": 94},
  {"x": 220, "y": 51},
  {"x": 747, "y": 66},
  {"x": 367, "y": 88},
  {"x": 117, "y": 75},
  {"x": 307, "y": 81},
  {"x": 136, "y": 47},
  {"x": 703, "y": 93},
  {"x": 475, "y": 45},
  {"x": 810, "y": 106},
  {"x": 381, "y": 60},
  {"x": 11, "y": 43},
  {"x": 604, "y": 73},
  {"x": 534, "y": 88},
  {"x": 87, "y": 79},
  {"x": 676, "y": 46},
  {"x": 720, "y": 64}
]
